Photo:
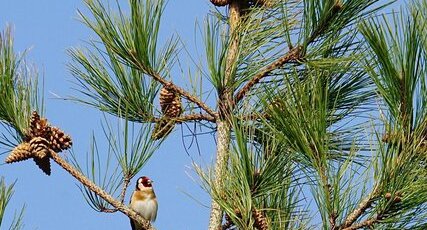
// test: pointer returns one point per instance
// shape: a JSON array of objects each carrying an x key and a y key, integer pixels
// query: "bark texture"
[{"x": 225, "y": 107}]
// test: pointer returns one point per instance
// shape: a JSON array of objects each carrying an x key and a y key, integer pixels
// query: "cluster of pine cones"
[{"x": 40, "y": 139}]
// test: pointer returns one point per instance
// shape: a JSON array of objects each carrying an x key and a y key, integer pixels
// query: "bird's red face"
[{"x": 143, "y": 182}]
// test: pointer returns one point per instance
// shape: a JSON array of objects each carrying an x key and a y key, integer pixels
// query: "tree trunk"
[
  {"x": 223, "y": 144},
  {"x": 225, "y": 107}
]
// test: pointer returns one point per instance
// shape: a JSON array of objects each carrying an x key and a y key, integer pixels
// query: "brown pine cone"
[
  {"x": 260, "y": 220},
  {"x": 166, "y": 98},
  {"x": 162, "y": 128},
  {"x": 39, "y": 127},
  {"x": 39, "y": 147},
  {"x": 170, "y": 103},
  {"x": 19, "y": 153},
  {"x": 44, "y": 164},
  {"x": 58, "y": 140},
  {"x": 40, "y": 150},
  {"x": 220, "y": 2}
]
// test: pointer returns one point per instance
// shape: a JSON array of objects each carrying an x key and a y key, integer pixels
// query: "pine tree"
[{"x": 319, "y": 109}]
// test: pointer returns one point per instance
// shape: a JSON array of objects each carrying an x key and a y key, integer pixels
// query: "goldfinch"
[{"x": 144, "y": 201}]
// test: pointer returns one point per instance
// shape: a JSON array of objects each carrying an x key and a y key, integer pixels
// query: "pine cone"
[
  {"x": 220, "y": 2},
  {"x": 337, "y": 6},
  {"x": 39, "y": 127},
  {"x": 40, "y": 150},
  {"x": 58, "y": 140},
  {"x": 39, "y": 147},
  {"x": 170, "y": 103},
  {"x": 44, "y": 164},
  {"x": 260, "y": 220},
  {"x": 40, "y": 139},
  {"x": 162, "y": 128},
  {"x": 19, "y": 153}
]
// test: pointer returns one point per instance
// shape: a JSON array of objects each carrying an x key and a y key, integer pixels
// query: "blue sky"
[{"x": 48, "y": 28}]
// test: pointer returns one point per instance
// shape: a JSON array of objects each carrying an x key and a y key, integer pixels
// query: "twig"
[
  {"x": 103, "y": 194},
  {"x": 254, "y": 116},
  {"x": 292, "y": 55},
  {"x": 367, "y": 223},
  {"x": 185, "y": 118},
  {"x": 184, "y": 93},
  {"x": 126, "y": 182},
  {"x": 108, "y": 210},
  {"x": 195, "y": 117},
  {"x": 333, "y": 220},
  {"x": 363, "y": 206}
]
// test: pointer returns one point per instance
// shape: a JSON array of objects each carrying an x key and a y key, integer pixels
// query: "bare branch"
[
  {"x": 185, "y": 118},
  {"x": 292, "y": 55},
  {"x": 195, "y": 117},
  {"x": 109, "y": 210}
]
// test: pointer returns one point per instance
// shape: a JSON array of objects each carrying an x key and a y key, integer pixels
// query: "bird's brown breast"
[{"x": 143, "y": 195}]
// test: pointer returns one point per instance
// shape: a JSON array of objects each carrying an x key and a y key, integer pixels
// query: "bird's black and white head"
[{"x": 144, "y": 183}]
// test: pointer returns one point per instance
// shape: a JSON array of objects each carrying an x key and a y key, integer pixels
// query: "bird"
[{"x": 144, "y": 201}]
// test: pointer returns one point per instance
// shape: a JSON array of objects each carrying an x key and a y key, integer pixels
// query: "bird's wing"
[
  {"x": 156, "y": 206},
  {"x": 132, "y": 224}
]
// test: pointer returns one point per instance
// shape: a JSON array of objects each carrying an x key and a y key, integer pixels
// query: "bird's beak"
[{"x": 151, "y": 181}]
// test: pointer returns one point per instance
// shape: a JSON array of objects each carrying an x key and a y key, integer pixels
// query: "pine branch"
[
  {"x": 360, "y": 210},
  {"x": 195, "y": 117},
  {"x": 365, "y": 224},
  {"x": 292, "y": 56},
  {"x": 108, "y": 210},
  {"x": 185, "y": 118},
  {"x": 254, "y": 116},
  {"x": 93, "y": 187},
  {"x": 126, "y": 182},
  {"x": 171, "y": 86},
  {"x": 125, "y": 185}
]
